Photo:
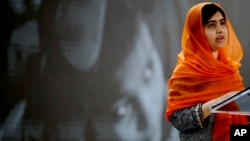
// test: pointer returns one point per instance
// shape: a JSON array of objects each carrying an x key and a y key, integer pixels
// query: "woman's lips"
[{"x": 220, "y": 39}]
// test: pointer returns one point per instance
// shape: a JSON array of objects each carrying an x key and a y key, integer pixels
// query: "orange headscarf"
[{"x": 199, "y": 77}]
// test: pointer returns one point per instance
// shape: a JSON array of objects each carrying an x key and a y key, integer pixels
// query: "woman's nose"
[{"x": 218, "y": 30}]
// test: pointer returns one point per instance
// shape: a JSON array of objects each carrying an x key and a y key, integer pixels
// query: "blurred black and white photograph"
[{"x": 94, "y": 70}]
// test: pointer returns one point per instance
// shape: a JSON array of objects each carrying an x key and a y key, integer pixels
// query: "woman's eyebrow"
[{"x": 213, "y": 21}]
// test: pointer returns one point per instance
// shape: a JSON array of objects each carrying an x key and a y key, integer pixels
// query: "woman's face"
[
  {"x": 141, "y": 77},
  {"x": 216, "y": 31}
]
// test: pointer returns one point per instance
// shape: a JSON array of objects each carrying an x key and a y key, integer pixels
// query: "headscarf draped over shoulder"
[{"x": 198, "y": 77}]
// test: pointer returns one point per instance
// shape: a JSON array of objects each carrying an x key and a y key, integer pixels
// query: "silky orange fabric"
[{"x": 198, "y": 77}]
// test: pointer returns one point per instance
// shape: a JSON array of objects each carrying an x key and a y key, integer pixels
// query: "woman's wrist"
[
  {"x": 205, "y": 110},
  {"x": 199, "y": 116}
]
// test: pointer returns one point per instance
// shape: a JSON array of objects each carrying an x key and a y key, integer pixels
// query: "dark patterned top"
[{"x": 190, "y": 125}]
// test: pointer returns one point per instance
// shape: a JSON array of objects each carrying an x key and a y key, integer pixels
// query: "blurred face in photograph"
[{"x": 132, "y": 111}]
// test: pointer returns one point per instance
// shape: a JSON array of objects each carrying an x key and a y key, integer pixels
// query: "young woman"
[{"x": 206, "y": 73}]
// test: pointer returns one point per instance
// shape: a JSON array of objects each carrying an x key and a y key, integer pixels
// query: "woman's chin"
[{"x": 217, "y": 48}]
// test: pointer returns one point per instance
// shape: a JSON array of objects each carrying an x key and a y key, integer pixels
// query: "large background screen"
[{"x": 94, "y": 70}]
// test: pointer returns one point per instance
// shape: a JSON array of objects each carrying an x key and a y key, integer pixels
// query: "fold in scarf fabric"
[{"x": 199, "y": 77}]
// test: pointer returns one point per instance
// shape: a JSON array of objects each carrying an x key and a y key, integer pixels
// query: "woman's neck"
[{"x": 215, "y": 54}]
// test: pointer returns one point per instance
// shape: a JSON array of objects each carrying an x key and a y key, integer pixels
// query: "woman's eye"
[
  {"x": 121, "y": 109},
  {"x": 223, "y": 23},
  {"x": 211, "y": 25}
]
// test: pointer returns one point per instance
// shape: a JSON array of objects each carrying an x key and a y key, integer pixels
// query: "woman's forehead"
[{"x": 216, "y": 17}]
